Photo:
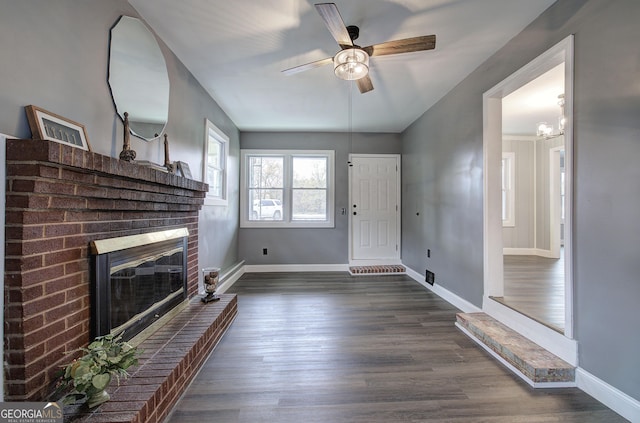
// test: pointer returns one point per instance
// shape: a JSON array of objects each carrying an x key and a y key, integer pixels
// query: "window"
[
  {"x": 508, "y": 189},
  {"x": 215, "y": 164},
  {"x": 292, "y": 188}
]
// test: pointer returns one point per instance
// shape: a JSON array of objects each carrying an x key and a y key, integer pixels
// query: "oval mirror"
[{"x": 138, "y": 78}]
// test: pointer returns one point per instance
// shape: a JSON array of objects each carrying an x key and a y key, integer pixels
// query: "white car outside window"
[{"x": 267, "y": 209}]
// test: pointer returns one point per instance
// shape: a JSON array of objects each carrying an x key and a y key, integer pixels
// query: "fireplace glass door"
[{"x": 136, "y": 286}]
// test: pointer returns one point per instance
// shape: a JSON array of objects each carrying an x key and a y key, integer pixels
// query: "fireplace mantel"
[{"x": 58, "y": 200}]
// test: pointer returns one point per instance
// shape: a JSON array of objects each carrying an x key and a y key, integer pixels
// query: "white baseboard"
[
  {"x": 263, "y": 268},
  {"x": 528, "y": 252},
  {"x": 443, "y": 293},
  {"x": 618, "y": 401},
  {"x": 230, "y": 276}
]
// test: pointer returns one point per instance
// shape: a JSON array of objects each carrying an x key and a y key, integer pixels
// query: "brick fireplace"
[{"x": 58, "y": 200}]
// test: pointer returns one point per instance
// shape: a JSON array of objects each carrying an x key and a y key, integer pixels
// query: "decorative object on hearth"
[
  {"x": 50, "y": 126},
  {"x": 171, "y": 168},
  {"x": 183, "y": 169},
  {"x": 127, "y": 154},
  {"x": 90, "y": 374},
  {"x": 210, "y": 280}
]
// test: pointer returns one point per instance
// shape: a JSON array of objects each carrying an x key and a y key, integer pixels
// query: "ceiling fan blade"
[
  {"x": 407, "y": 45},
  {"x": 364, "y": 84},
  {"x": 332, "y": 19},
  {"x": 308, "y": 66}
]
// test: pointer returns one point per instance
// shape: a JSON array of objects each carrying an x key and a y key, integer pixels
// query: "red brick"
[
  {"x": 80, "y": 216},
  {"x": 81, "y": 241},
  {"x": 77, "y": 317},
  {"x": 63, "y": 256},
  {"x": 13, "y": 311},
  {"x": 33, "y": 323},
  {"x": 77, "y": 177},
  {"x": 24, "y": 232},
  {"x": 22, "y": 169},
  {"x": 43, "y": 334},
  {"x": 63, "y": 229},
  {"x": 21, "y": 185},
  {"x": 42, "y": 274},
  {"x": 57, "y": 344},
  {"x": 61, "y": 284},
  {"x": 41, "y": 216},
  {"x": 81, "y": 291},
  {"x": 75, "y": 267},
  {"x": 58, "y": 312},
  {"x": 32, "y": 292},
  {"x": 42, "y": 304},
  {"x": 67, "y": 203},
  {"x": 27, "y": 201}
]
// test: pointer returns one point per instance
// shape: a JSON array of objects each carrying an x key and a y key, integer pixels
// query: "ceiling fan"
[{"x": 352, "y": 61}]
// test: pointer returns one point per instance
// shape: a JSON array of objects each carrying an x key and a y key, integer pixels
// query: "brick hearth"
[
  {"x": 170, "y": 359},
  {"x": 60, "y": 198}
]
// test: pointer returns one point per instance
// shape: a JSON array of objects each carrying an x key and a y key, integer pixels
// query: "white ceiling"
[
  {"x": 533, "y": 103},
  {"x": 237, "y": 49}
]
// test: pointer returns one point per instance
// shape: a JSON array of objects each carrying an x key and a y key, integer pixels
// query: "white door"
[{"x": 375, "y": 209}]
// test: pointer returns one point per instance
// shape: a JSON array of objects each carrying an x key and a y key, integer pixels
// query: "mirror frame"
[{"x": 139, "y": 85}]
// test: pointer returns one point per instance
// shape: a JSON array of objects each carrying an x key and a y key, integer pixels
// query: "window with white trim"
[
  {"x": 216, "y": 155},
  {"x": 508, "y": 189},
  {"x": 287, "y": 188}
]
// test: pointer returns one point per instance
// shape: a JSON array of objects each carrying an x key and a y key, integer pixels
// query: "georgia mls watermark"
[{"x": 30, "y": 412}]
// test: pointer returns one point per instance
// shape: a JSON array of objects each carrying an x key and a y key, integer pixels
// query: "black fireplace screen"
[{"x": 136, "y": 285}]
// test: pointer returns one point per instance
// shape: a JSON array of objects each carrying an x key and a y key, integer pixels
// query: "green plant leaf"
[{"x": 101, "y": 381}]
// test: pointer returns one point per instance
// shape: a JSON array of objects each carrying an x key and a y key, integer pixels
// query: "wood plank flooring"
[
  {"x": 328, "y": 347},
  {"x": 534, "y": 286}
]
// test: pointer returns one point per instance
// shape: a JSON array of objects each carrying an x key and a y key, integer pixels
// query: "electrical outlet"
[
  {"x": 430, "y": 277},
  {"x": 264, "y": 251}
]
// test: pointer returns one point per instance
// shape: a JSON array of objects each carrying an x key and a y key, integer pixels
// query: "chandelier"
[{"x": 545, "y": 130}]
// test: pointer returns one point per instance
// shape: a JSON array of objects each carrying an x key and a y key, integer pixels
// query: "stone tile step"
[
  {"x": 382, "y": 269},
  {"x": 537, "y": 366}
]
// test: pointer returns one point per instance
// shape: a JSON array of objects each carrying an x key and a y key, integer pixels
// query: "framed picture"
[
  {"x": 49, "y": 126},
  {"x": 183, "y": 170}
]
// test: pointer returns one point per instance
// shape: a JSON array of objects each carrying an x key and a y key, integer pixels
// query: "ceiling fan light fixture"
[{"x": 351, "y": 64}]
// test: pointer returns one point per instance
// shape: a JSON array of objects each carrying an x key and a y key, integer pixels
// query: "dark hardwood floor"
[
  {"x": 534, "y": 286},
  {"x": 328, "y": 347}
]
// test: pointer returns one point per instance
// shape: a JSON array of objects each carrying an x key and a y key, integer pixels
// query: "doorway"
[
  {"x": 374, "y": 209},
  {"x": 536, "y": 240}
]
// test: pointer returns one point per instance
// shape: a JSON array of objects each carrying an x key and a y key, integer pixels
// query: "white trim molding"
[
  {"x": 528, "y": 252},
  {"x": 263, "y": 268},
  {"x": 229, "y": 277},
  {"x": 453, "y": 299},
  {"x": 618, "y": 401}
]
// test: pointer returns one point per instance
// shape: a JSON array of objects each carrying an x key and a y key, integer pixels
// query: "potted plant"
[{"x": 90, "y": 374}]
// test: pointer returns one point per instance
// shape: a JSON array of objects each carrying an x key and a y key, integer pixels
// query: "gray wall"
[
  {"x": 317, "y": 245},
  {"x": 442, "y": 165},
  {"x": 55, "y": 55}
]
